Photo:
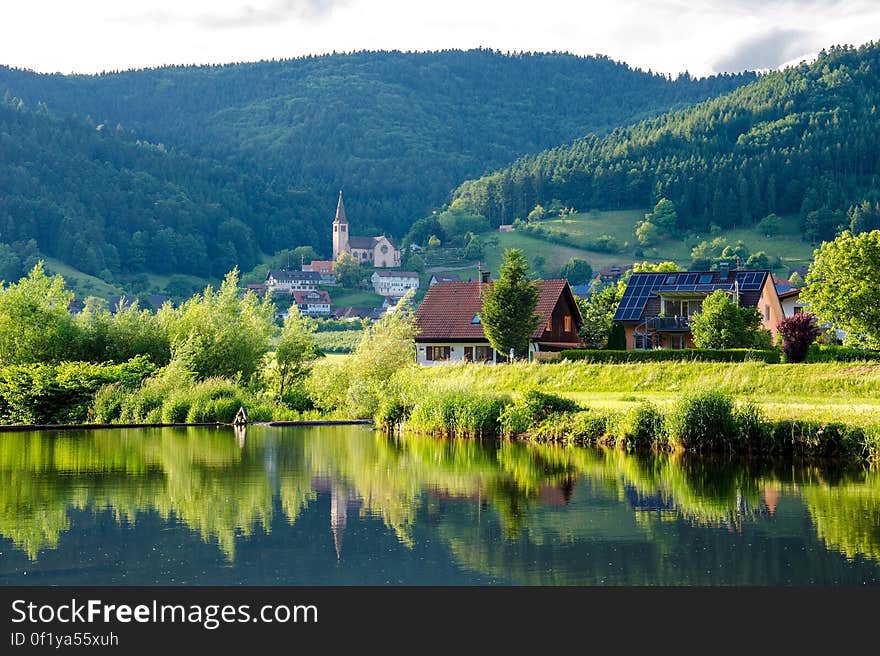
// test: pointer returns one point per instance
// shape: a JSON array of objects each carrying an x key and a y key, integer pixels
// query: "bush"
[
  {"x": 531, "y": 409},
  {"x": 770, "y": 356},
  {"x": 827, "y": 353},
  {"x": 63, "y": 393},
  {"x": 798, "y": 332},
  {"x": 458, "y": 413},
  {"x": 705, "y": 421},
  {"x": 643, "y": 426}
]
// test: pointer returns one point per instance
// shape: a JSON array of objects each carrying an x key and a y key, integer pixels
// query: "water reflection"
[{"x": 496, "y": 511}]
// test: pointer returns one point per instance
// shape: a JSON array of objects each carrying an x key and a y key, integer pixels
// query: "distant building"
[
  {"x": 156, "y": 301},
  {"x": 791, "y": 304},
  {"x": 394, "y": 283},
  {"x": 257, "y": 289},
  {"x": 505, "y": 227},
  {"x": 612, "y": 273},
  {"x": 446, "y": 277},
  {"x": 326, "y": 268},
  {"x": 312, "y": 303},
  {"x": 581, "y": 291},
  {"x": 285, "y": 281},
  {"x": 379, "y": 251},
  {"x": 350, "y": 313}
]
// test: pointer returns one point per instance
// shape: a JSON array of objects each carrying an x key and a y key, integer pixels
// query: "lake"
[{"x": 344, "y": 505}]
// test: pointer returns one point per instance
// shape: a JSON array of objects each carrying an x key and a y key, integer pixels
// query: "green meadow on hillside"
[{"x": 582, "y": 229}]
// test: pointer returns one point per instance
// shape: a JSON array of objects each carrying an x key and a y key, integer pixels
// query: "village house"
[
  {"x": 656, "y": 308},
  {"x": 312, "y": 303},
  {"x": 326, "y": 268},
  {"x": 394, "y": 283},
  {"x": 450, "y": 330},
  {"x": 378, "y": 251},
  {"x": 284, "y": 281}
]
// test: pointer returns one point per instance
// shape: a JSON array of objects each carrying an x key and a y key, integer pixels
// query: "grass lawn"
[
  {"x": 843, "y": 392},
  {"x": 343, "y": 298}
]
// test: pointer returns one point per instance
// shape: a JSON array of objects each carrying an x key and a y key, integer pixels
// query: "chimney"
[
  {"x": 484, "y": 277},
  {"x": 724, "y": 268}
]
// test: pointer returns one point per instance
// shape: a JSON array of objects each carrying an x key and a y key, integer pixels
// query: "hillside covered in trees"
[
  {"x": 108, "y": 204},
  {"x": 396, "y": 130},
  {"x": 805, "y": 141}
]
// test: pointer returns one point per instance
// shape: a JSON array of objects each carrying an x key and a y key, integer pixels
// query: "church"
[{"x": 369, "y": 251}]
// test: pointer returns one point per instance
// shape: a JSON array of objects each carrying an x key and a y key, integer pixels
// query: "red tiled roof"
[
  {"x": 448, "y": 309},
  {"x": 321, "y": 266},
  {"x": 302, "y": 296}
]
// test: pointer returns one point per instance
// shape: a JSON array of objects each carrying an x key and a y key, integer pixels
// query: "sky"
[{"x": 669, "y": 36}]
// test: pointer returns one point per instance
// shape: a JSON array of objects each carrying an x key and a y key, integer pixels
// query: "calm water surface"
[{"x": 347, "y": 506}]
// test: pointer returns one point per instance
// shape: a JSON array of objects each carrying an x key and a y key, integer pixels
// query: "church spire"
[{"x": 340, "y": 211}]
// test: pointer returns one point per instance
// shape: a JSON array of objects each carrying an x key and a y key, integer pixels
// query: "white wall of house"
[
  {"x": 393, "y": 286},
  {"x": 447, "y": 352},
  {"x": 791, "y": 306},
  {"x": 287, "y": 286}
]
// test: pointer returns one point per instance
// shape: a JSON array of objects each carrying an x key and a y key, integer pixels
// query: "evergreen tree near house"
[{"x": 508, "y": 314}]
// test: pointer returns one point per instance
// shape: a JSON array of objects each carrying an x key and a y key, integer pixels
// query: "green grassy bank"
[{"x": 826, "y": 409}]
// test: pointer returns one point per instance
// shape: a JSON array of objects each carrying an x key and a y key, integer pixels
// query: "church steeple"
[
  {"x": 340, "y": 211},
  {"x": 340, "y": 230}
]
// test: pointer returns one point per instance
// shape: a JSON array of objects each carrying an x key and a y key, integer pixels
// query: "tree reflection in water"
[{"x": 488, "y": 502}]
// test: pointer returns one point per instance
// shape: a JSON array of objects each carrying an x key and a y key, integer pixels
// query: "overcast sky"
[{"x": 701, "y": 36}]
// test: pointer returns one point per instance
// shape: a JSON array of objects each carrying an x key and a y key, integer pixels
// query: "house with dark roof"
[
  {"x": 656, "y": 308},
  {"x": 284, "y": 281},
  {"x": 445, "y": 277},
  {"x": 450, "y": 329}
]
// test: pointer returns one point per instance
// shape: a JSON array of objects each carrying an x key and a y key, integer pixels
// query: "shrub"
[
  {"x": 827, "y": 353},
  {"x": 458, "y": 413},
  {"x": 704, "y": 422},
  {"x": 643, "y": 426},
  {"x": 770, "y": 356},
  {"x": 63, "y": 393},
  {"x": 532, "y": 408},
  {"x": 798, "y": 332}
]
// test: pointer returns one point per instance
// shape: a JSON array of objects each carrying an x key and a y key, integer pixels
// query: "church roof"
[
  {"x": 362, "y": 242},
  {"x": 340, "y": 211}
]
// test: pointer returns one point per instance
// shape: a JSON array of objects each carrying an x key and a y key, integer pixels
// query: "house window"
[
  {"x": 483, "y": 354},
  {"x": 550, "y": 324},
  {"x": 767, "y": 313},
  {"x": 798, "y": 309},
  {"x": 476, "y": 319},
  {"x": 468, "y": 353},
  {"x": 568, "y": 323},
  {"x": 437, "y": 353}
]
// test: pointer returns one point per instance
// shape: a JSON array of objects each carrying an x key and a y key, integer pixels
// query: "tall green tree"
[
  {"x": 508, "y": 313},
  {"x": 348, "y": 271},
  {"x": 296, "y": 350},
  {"x": 598, "y": 311},
  {"x": 220, "y": 333},
  {"x": 35, "y": 320},
  {"x": 721, "y": 323},
  {"x": 842, "y": 286},
  {"x": 577, "y": 271}
]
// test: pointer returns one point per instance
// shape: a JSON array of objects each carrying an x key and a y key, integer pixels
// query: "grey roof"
[
  {"x": 284, "y": 274},
  {"x": 396, "y": 274},
  {"x": 643, "y": 287},
  {"x": 362, "y": 242}
]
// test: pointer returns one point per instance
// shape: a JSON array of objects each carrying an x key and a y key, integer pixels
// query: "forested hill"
[
  {"x": 805, "y": 140},
  {"x": 396, "y": 130},
  {"x": 111, "y": 205}
]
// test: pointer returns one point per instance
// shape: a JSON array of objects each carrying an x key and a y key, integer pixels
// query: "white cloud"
[{"x": 663, "y": 35}]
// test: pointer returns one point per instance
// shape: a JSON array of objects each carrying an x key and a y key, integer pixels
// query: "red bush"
[{"x": 797, "y": 333}]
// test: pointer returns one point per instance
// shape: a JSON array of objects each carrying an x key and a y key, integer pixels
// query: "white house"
[
  {"x": 286, "y": 282},
  {"x": 394, "y": 283},
  {"x": 312, "y": 303}
]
